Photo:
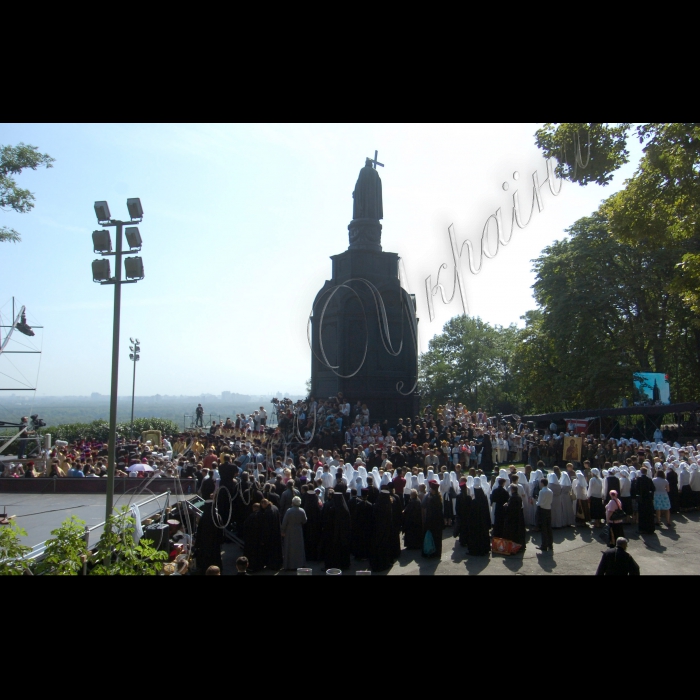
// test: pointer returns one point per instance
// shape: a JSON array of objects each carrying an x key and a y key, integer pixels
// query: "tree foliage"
[
  {"x": 66, "y": 550},
  {"x": 99, "y": 429},
  {"x": 470, "y": 361},
  {"x": 13, "y": 160},
  {"x": 12, "y": 551},
  {"x": 118, "y": 555}
]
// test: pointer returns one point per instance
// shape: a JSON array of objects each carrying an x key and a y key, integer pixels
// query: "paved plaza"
[{"x": 577, "y": 551}]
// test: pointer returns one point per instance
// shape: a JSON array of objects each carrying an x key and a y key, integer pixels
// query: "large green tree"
[
  {"x": 470, "y": 361},
  {"x": 13, "y": 160}
]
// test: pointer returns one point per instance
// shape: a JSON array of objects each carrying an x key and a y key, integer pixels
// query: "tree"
[
  {"x": 12, "y": 551},
  {"x": 13, "y": 160},
  {"x": 470, "y": 362},
  {"x": 656, "y": 214},
  {"x": 66, "y": 550},
  {"x": 118, "y": 554}
]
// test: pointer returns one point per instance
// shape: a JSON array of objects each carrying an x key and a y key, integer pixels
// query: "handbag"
[
  {"x": 618, "y": 515},
  {"x": 499, "y": 545},
  {"x": 428, "y": 544}
]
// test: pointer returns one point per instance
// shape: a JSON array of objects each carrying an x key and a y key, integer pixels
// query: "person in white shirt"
[{"x": 544, "y": 516}]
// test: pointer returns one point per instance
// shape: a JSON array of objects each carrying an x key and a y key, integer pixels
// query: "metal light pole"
[
  {"x": 134, "y": 357},
  {"x": 101, "y": 273}
]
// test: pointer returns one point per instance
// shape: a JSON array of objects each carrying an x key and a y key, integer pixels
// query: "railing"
[{"x": 38, "y": 550}]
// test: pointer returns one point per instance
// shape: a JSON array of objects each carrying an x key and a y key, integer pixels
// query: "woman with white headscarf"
[
  {"x": 595, "y": 498},
  {"x": 695, "y": 485},
  {"x": 568, "y": 501},
  {"x": 362, "y": 471},
  {"x": 555, "y": 487},
  {"x": 685, "y": 493},
  {"x": 625, "y": 493},
  {"x": 583, "y": 511},
  {"x": 448, "y": 495}
]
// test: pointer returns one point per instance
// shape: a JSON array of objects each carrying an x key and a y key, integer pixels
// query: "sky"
[{"x": 240, "y": 221}]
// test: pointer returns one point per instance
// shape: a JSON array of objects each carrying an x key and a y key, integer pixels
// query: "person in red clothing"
[
  {"x": 209, "y": 459},
  {"x": 399, "y": 485}
]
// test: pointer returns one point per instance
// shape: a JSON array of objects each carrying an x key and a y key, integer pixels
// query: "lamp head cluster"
[{"x": 102, "y": 243}]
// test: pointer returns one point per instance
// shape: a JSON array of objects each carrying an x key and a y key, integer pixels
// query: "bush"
[
  {"x": 12, "y": 552},
  {"x": 99, "y": 429}
]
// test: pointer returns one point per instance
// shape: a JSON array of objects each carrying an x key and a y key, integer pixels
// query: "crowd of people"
[{"x": 446, "y": 473}]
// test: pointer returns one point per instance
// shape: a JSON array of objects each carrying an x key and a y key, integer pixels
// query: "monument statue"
[{"x": 368, "y": 194}]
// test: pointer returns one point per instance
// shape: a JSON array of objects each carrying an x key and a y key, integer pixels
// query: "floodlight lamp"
[
  {"x": 135, "y": 208},
  {"x": 101, "y": 242},
  {"x": 102, "y": 211},
  {"x": 100, "y": 270},
  {"x": 134, "y": 268},
  {"x": 133, "y": 237}
]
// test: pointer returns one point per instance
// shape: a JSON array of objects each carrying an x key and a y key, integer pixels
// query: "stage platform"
[{"x": 38, "y": 514}]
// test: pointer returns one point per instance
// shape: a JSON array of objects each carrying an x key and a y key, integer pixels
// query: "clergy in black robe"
[
  {"x": 486, "y": 464},
  {"x": 381, "y": 552},
  {"x": 673, "y": 494},
  {"x": 250, "y": 531},
  {"x": 397, "y": 511},
  {"x": 514, "y": 520},
  {"x": 336, "y": 533},
  {"x": 373, "y": 491},
  {"x": 361, "y": 528},
  {"x": 434, "y": 522},
  {"x": 207, "y": 544},
  {"x": 270, "y": 536},
  {"x": 463, "y": 506},
  {"x": 227, "y": 488},
  {"x": 352, "y": 504},
  {"x": 478, "y": 538},
  {"x": 412, "y": 523},
  {"x": 311, "y": 504},
  {"x": 499, "y": 497},
  {"x": 644, "y": 490}
]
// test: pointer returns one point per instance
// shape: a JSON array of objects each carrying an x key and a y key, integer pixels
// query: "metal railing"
[{"x": 38, "y": 550}]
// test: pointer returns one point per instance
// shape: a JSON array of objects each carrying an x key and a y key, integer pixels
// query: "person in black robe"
[
  {"x": 644, "y": 491},
  {"x": 673, "y": 494},
  {"x": 209, "y": 538},
  {"x": 381, "y": 551},
  {"x": 433, "y": 522},
  {"x": 270, "y": 544},
  {"x": 227, "y": 488},
  {"x": 478, "y": 538},
  {"x": 336, "y": 532},
  {"x": 373, "y": 491},
  {"x": 311, "y": 505},
  {"x": 463, "y": 504},
  {"x": 486, "y": 464},
  {"x": 397, "y": 512},
  {"x": 361, "y": 528},
  {"x": 250, "y": 531},
  {"x": 412, "y": 523},
  {"x": 514, "y": 520},
  {"x": 352, "y": 504},
  {"x": 499, "y": 497},
  {"x": 613, "y": 484}
]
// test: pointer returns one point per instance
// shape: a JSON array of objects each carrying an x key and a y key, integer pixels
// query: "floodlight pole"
[
  {"x": 117, "y": 282},
  {"x": 112, "y": 446}
]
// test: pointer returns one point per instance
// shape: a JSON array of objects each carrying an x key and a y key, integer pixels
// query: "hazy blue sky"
[{"x": 240, "y": 221}]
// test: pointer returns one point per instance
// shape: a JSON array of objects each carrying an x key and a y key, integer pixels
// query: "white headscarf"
[
  {"x": 363, "y": 475},
  {"x": 565, "y": 480},
  {"x": 552, "y": 478},
  {"x": 445, "y": 485}
]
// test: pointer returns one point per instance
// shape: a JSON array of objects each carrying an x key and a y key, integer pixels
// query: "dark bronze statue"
[{"x": 368, "y": 194}]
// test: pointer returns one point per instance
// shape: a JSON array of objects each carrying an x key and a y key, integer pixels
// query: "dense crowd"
[{"x": 294, "y": 496}]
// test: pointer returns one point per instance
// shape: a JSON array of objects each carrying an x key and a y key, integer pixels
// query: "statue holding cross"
[{"x": 368, "y": 192}]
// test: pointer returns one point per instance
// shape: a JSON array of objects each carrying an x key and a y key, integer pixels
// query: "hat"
[
  {"x": 173, "y": 522},
  {"x": 434, "y": 482},
  {"x": 364, "y": 491}
]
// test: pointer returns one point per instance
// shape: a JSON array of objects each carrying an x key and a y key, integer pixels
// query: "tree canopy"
[{"x": 13, "y": 160}]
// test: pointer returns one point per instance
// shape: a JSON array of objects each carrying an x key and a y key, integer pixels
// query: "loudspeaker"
[{"x": 158, "y": 532}]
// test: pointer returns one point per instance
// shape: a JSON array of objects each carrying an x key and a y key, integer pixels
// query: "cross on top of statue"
[{"x": 374, "y": 161}]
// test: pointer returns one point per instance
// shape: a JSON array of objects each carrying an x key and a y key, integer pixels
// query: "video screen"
[{"x": 651, "y": 389}]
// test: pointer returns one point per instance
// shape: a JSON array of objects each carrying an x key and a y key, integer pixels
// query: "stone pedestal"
[{"x": 349, "y": 331}]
